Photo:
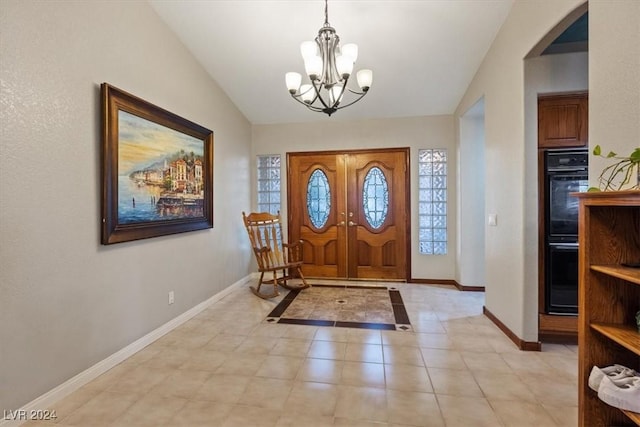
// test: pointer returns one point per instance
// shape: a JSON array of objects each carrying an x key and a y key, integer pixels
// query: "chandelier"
[{"x": 328, "y": 67}]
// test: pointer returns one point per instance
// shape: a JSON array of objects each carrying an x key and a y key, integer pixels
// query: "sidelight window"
[
  {"x": 432, "y": 201},
  {"x": 269, "y": 183}
]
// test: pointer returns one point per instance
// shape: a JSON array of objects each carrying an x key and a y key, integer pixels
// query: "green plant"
[{"x": 615, "y": 176}]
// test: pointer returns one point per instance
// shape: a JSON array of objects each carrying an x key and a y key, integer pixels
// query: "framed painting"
[{"x": 157, "y": 170}]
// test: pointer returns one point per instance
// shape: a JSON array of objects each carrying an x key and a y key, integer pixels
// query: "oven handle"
[
  {"x": 564, "y": 245},
  {"x": 568, "y": 169}
]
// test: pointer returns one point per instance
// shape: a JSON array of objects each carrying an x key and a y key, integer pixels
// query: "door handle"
[
  {"x": 341, "y": 223},
  {"x": 351, "y": 223}
]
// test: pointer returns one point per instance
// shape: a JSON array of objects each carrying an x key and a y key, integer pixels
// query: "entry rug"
[{"x": 347, "y": 306}]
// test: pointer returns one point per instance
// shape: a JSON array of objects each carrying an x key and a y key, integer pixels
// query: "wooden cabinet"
[
  {"x": 609, "y": 296},
  {"x": 563, "y": 121}
]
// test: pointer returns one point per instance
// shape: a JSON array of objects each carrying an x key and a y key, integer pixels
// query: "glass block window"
[
  {"x": 269, "y": 184},
  {"x": 375, "y": 197},
  {"x": 432, "y": 201},
  {"x": 318, "y": 198}
]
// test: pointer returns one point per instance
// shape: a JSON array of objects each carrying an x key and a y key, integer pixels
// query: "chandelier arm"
[
  {"x": 314, "y": 108},
  {"x": 352, "y": 102},
  {"x": 344, "y": 87},
  {"x": 298, "y": 97},
  {"x": 355, "y": 92},
  {"x": 308, "y": 105},
  {"x": 319, "y": 96}
]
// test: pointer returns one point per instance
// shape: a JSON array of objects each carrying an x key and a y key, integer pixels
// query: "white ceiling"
[{"x": 423, "y": 53}]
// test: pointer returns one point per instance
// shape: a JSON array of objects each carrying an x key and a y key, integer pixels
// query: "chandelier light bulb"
[
  {"x": 365, "y": 78},
  {"x": 307, "y": 93},
  {"x": 313, "y": 67},
  {"x": 350, "y": 50},
  {"x": 344, "y": 65},
  {"x": 308, "y": 49},
  {"x": 336, "y": 94},
  {"x": 293, "y": 81}
]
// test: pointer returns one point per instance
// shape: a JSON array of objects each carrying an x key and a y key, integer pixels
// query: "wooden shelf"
[
  {"x": 618, "y": 271},
  {"x": 633, "y": 416},
  {"x": 609, "y": 296},
  {"x": 626, "y": 336}
]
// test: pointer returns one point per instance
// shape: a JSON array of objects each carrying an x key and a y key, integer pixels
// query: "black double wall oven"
[{"x": 566, "y": 172}]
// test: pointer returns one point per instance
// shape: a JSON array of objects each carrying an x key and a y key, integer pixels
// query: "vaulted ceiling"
[{"x": 423, "y": 53}]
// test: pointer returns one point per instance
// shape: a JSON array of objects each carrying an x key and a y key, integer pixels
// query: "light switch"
[{"x": 493, "y": 219}]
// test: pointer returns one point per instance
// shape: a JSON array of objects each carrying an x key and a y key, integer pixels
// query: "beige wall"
[
  {"x": 415, "y": 133},
  {"x": 500, "y": 79},
  {"x": 66, "y": 302},
  {"x": 614, "y": 79},
  {"x": 470, "y": 256}
]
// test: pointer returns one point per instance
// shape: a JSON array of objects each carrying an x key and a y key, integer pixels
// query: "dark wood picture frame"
[{"x": 164, "y": 160}]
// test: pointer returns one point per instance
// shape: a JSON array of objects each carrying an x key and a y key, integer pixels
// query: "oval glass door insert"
[
  {"x": 318, "y": 198},
  {"x": 375, "y": 197}
]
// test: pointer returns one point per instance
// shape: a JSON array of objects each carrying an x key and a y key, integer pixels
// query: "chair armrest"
[
  {"x": 292, "y": 245},
  {"x": 294, "y": 251}
]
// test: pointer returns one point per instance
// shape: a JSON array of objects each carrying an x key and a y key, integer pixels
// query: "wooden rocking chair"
[{"x": 272, "y": 254}]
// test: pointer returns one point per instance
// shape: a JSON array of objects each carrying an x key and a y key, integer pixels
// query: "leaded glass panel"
[
  {"x": 318, "y": 198},
  {"x": 375, "y": 197}
]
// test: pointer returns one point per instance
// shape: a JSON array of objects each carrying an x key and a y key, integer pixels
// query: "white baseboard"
[{"x": 71, "y": 385}]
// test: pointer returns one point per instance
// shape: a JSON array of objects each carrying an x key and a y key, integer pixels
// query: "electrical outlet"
[{"x": 171, "y": 298}]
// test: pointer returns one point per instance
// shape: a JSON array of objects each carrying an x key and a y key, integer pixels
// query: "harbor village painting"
[
  {"x": 157, "y": 170},
  {"x": 160, "y": 172}
]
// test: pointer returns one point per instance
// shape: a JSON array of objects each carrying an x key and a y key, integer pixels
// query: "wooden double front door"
[{"x": 351, "y": 210}]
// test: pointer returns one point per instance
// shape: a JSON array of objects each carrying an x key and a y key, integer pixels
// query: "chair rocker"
[{"x": 272, "y": 254}]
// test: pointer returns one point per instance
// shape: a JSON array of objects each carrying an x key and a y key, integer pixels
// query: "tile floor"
[
  {"x": 351, "y": 305},
  {"x": 227, "y": 367}
]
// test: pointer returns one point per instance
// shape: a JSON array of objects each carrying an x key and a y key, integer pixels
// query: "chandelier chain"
[{"x": 326, "y": 13}]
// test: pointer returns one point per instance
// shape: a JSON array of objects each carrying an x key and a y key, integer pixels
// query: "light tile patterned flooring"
[
  {"x": 227, "y": 367},
  {"x": 369, "y": 307}
]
